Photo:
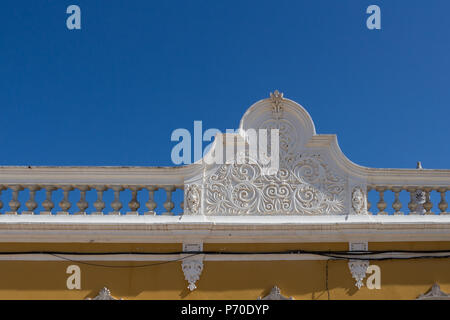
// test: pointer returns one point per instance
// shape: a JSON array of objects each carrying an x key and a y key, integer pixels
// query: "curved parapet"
[
  {"x": 312, "y": 176},
  {"x": 308, "y": 179}
]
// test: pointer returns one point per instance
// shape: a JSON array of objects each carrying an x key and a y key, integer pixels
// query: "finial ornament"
[
  {"x": 104, "y": 294},
  {"x": 275, "y": 294},
  {"x": 434, "y": 294},
  {"x": 277, "y": 99}
]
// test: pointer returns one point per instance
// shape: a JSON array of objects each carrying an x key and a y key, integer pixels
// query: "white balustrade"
[
  {"x": 420, "y": 200},
  {"x": 12, "y": 196}
]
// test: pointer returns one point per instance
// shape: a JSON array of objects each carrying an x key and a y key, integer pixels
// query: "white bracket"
[
  {"x": 358, "y": 246},
  {"x": 192, "y": 266},
  {"x": 358, "y": 268}
]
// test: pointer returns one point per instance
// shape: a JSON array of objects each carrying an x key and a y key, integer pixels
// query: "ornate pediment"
[{"x": 309, "y": 178}]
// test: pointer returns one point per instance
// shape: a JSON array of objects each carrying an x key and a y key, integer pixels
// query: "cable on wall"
[{"x": 332, "y": 255}]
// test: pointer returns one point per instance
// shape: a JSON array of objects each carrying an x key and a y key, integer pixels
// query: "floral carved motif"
[
  {"x": 358, "y": 268},
  {"x": 192, "y": 269},
  {"x": 193, "y": 198},
  {"x": 358, "y": 200}
]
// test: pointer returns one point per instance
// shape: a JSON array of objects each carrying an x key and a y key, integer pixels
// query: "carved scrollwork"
[
  {"x": 303, "y": 183},
  {"x": 287, "y": 134},
  {"x": 309, "y": 187}
]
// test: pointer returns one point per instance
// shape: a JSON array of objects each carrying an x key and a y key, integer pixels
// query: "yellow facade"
[{"x": 301, "y": 279}]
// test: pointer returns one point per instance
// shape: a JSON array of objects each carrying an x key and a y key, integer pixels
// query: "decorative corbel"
[
  {"x": 358, "y": 268},
  {"x": 192, "y": 266}
]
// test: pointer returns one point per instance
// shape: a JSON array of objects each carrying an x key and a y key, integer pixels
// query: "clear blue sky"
[{"x": 112, "y": 93}]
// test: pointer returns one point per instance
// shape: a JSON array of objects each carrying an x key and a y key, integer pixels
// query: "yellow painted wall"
[{"x": 400, "y": 279}]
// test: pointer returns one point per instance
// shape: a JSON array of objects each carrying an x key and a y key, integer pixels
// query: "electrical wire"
[
  {"x": 349, "y": 253},
  {"x": 333, "y": 255},
  {"x": 111, "y": 266}
]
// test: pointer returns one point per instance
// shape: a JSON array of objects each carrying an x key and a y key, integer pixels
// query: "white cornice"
[{"x": 174, "y": 229}]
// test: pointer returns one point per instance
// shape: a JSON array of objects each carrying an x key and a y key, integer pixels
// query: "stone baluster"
[
  {"x": 427, "y": 205},
  {"x": 116, "y": 204},
  {"x": 369, "y": 204},
  {"x": 82, "y": 204},
  {"x": 381, "y": 205},
  {"x": 169, "y": 205},
  {"x": 99, "y": 204},
  {"x": 151, "y": 204},
  {"x": 47, "y": 204},
  {"x": 397, "y": 205},
  {"x": 134, "y": 203},
  {"x": 412, "y": 205},
  {"x": 1, "y": 203},
  {"x": 14, "y": 204},
  {"x": 443, "y": 205},
  {"x": 31, "y": 204},
  {"x": 65, "y": 204},
  {"x": 181, "y": 187}
]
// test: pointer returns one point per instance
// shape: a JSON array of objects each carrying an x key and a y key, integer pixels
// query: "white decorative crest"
[
  {"x": 275, "y": 294},
  {"x": 435, "y": 293},
  {"x": 358, "y": 268},
  {"x": 192, "y": 269},
  {"x": 104, "y": 294},
  {"x": 311, "y": 176}
]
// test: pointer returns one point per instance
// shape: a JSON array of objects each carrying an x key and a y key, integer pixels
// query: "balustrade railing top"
[{"x": 313, "y": 178}]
